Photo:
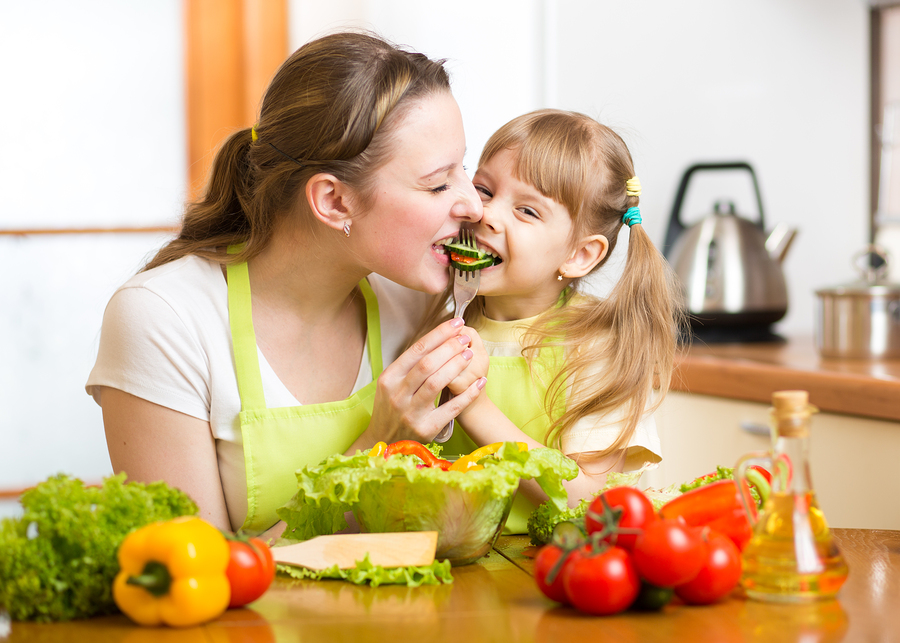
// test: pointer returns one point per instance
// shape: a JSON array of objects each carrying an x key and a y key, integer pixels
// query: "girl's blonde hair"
[
  {"x": 632, "y": 333},
  {"x": 331, "y": 107}
]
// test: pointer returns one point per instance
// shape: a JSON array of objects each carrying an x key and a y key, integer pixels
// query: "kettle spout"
[{"x": 779, "y": 241}]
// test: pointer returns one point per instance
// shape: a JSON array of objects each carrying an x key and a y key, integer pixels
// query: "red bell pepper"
[
  {"x": 715, "y": 505},
  {"x": 411, "y": 447}
]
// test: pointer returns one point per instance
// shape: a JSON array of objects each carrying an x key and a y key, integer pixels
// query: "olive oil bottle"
[{"x": 792, "y": 556}]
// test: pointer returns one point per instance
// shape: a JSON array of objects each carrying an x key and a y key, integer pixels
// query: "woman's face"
[{"x": 421, "y": 196}]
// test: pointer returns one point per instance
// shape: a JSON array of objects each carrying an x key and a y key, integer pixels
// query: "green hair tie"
[{"x": 632, "y": 216}]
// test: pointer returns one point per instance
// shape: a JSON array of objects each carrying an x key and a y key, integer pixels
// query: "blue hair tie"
[{"x": 632, "y": 216}]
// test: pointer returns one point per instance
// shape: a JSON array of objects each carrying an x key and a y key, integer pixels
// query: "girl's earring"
[
  {"x": 560, "y": 276},
  {"x": 346, "y": 228}
]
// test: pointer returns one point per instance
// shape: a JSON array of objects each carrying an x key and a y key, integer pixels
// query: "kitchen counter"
[
  {"x": 752, "y": 371},
  {"x": 496, "y": 599}
]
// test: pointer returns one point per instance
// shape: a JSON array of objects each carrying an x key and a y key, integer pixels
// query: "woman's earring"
[
  {"x": 346, "y": 228},
  {"x": 559, "y": 277}
]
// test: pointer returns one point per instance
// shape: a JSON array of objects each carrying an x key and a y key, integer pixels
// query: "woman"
[{"x": 354, "y": 167}]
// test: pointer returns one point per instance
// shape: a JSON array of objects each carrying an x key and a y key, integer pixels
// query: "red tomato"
[
  {"x": 600, "y": 582},
  {"x": 669, "y": 552},
  {"x": 720, "y": 573},
  {"x": 637, "y": 512},
  {"x": 251, "y": 569},
  {"x": 544, "y": 564}
]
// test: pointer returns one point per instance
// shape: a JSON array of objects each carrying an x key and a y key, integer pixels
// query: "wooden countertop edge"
[{"x": 847, "y": 393}]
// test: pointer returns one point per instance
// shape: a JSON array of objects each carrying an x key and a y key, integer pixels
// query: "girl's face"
[
  {"x": 531, "y": 233},
  {"x": 422, "y": 195}
]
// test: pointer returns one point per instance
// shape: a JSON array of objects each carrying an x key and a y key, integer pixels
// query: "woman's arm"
[{"x": 150, "y": 443}]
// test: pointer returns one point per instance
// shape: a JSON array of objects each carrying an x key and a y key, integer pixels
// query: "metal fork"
[{"x": 465, "y": 287}]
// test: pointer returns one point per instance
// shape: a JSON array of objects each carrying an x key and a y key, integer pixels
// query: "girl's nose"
[
  {"x": 489, "y": 218},
  {"x": 468, "y": 206}
]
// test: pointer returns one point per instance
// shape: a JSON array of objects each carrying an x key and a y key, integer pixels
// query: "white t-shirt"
[
  {"x": 593, "y": 432},
  {"x": 166, "y": 339}
]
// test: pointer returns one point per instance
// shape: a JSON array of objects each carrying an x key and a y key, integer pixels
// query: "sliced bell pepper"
[
  {"x": 377, "y": 450},
  {"x": 411, "y": 447},
  {"x": 470, "y": 462},
  {"x": 173, "y": 573},
  {"x": 761, "y": 480},
  {"x": 716, "y": 505}
]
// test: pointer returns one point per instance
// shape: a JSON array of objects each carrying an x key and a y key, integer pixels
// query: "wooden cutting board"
[{"x": 400, "y": 549}]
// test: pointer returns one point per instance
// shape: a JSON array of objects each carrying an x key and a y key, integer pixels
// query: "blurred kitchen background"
[{"x": 104, "y": 137}]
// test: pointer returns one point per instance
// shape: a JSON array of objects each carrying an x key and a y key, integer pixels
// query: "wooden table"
[{"x": 496, "y": 599}]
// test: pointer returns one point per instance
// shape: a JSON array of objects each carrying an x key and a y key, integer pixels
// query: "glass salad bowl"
[{"x": 468, "y": 519}]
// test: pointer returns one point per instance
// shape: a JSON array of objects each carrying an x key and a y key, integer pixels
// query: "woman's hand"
[
  {"x": 477, "y": 367},
  {"x": 407, "y": 389}
]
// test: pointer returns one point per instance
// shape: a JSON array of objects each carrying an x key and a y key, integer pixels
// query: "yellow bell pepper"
[
  {"x": 470, "y": 462},
  {"x": 378, "y": 449},
  {"x": 173, "y": 573}
]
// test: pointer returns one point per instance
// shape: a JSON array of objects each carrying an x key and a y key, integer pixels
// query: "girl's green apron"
[
  {"x": 279, "y": 441},
  {"x": 519, "y": 392}
]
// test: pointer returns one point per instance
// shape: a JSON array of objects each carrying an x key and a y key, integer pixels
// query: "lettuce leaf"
[{"x": 365, "y": 573}]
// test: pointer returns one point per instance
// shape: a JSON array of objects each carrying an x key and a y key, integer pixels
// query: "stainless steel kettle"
[{"x": 728, "y": 267}]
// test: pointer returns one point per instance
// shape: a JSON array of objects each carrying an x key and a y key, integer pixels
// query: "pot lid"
[{"x": 872, "y": 264}]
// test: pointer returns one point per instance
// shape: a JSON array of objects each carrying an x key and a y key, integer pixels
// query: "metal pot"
[{"x": 861, "y": 319}]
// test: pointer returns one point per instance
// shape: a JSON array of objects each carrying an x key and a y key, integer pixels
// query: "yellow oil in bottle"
[{"x": 792, "y": 556}]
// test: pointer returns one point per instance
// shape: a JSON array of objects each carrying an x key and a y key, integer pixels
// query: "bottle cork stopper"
[
  {"x": 790, "y": 412},
  {"x": 790, "y": 401}
]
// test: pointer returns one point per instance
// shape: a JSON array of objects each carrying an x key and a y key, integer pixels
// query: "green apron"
[
  {"x": 279, "y": 441},
  {"x": 519, "y": 392}
]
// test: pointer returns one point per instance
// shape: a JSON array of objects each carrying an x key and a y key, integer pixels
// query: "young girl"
[{"x": 567, "y": 370}]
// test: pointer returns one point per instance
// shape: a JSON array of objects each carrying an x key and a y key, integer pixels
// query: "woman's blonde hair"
[
  {"x": 331, "y": 107},
  {"x": 632, "y": 333}
]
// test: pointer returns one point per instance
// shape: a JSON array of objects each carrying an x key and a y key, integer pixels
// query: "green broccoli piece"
[
  {"x": 546, "y": 516},
  {"x": 58, "y": 560}
]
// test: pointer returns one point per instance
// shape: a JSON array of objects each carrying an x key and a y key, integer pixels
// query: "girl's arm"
[
  {"x": 151, "y": 442},
  {"x": 486, "y": 424}
]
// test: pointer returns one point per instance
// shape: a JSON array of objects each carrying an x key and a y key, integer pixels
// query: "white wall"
[{"x": 94, "y": 135}]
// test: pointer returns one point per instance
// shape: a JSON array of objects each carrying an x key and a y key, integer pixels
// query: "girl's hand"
[
  {"x": 477, "y": 367},
  {"x": 407, "y": 389}
]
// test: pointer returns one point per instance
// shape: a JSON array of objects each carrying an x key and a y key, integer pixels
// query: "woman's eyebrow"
[{"x": 440, "y": 170}]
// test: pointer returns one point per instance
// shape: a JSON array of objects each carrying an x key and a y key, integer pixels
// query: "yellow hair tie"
[
  {"x": 633, "y": 186},
  {"x": 253, "y": 135}
]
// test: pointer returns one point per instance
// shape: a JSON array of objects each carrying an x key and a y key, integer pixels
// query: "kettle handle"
[{"x": 676, "y": 227}]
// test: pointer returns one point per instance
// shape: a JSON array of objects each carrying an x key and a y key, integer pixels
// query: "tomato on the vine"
[
  {"x": 669, "y": 552},
  {"x": 600, "y": 580},
  {"x": 720, "y": 573},
  {"x": 636, "y": 513},
  {"x": 548, "y": 566},
  {"x": 250, "y": 571}
]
